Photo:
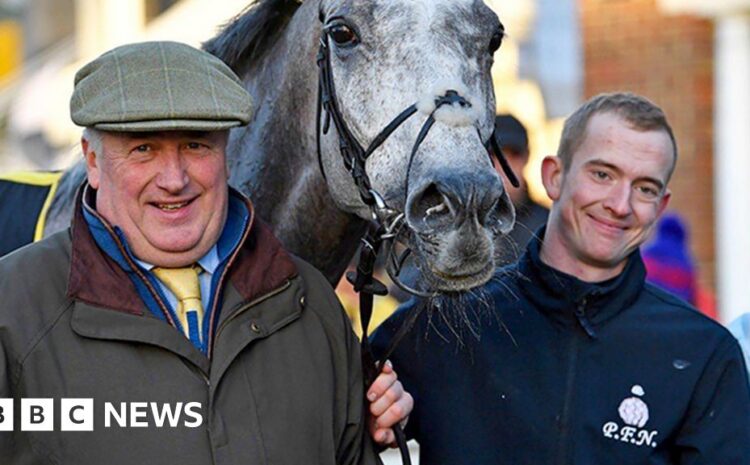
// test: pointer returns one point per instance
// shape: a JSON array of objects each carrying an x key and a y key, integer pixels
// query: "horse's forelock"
[{"x": 247, "y": 34}]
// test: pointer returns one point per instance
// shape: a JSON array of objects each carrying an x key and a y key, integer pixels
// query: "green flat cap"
[{"x": 159, "y": 86}]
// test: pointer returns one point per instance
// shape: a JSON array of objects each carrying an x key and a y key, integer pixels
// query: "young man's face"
[
  {"x": 609, "y": 199},
  {"x": 167, "y": 191}
]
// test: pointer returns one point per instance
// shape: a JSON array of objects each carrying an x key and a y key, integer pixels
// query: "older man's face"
[{"x": 167, "y": 191}]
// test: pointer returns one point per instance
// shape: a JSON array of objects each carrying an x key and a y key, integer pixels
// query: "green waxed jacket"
[{"x": 283, "y": 384}]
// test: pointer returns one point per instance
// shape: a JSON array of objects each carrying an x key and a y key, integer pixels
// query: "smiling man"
[
  {"x": 580, "y": 361},
  {"x": 167, "y": 291}
]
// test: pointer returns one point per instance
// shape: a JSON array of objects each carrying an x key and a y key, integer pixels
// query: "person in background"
[
  {"x": 668, "y": 261},
  {"x": 530, "y": 216},
  {"x": 670, "y": 265}
]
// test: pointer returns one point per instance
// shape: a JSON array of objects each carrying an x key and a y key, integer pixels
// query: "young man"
[
  {"x": 579, "y": 361},
  {"x": 169, "y": 314}
]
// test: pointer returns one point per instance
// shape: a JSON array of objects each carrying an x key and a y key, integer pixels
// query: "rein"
[{"x": 386, "y": 223}]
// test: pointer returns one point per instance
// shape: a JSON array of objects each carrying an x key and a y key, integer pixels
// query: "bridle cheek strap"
[{"x": 493, "y": 147}]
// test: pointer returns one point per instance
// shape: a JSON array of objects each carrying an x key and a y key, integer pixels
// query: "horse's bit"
[{"x": 386, "y": 221}]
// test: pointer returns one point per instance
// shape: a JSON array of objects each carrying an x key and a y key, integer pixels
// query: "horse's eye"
[
  {"x": 343, "y": 35},
  {"x": 497, "y": 40}
]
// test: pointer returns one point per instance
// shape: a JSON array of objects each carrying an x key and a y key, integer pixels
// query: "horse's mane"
[{"x": 248, "y": 34}]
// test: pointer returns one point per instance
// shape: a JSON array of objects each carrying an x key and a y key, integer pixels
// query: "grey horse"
[{"x": 384, "y": 56}]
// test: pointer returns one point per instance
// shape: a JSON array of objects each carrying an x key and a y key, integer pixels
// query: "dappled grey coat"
[{"x": 283, "y": 385}]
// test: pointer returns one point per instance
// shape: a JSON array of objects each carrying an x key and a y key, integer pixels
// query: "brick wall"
[{"x": 630, "y": 45}]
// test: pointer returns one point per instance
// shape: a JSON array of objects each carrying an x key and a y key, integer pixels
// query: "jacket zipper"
[
  {"x": 242, "y": 308},
  {"x": 563, "y": 448},
  {"x": 583, "y": 320}
]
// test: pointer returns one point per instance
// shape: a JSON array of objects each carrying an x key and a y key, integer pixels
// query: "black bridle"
[
  {"x": 387, "y": 223},
  {"x": 352, "y": 152}
]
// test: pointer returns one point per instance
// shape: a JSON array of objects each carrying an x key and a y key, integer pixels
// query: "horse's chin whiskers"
[{"x": 462, "y": 314}]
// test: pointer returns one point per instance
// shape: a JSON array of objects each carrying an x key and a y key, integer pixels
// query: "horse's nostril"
[
  {"x": 430, "y": 208},
  {"x": 501, "y": 216},
  {"x": 455, "y": 198}
]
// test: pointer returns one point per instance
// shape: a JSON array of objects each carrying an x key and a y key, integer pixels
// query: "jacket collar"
[
  {"x": 560, "y": 295},
  {"x": 259, "y": 264}
]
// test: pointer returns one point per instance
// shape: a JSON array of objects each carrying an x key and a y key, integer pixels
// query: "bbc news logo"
[{"x": 78, "y": 415}]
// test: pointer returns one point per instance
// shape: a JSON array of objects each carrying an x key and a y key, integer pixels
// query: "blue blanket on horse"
[{"x": 25, "y": 198}]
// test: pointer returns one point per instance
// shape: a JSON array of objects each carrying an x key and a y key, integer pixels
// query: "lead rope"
[
  {"x": 367, "y": 286},
  {"x": 386, "y": 223}
]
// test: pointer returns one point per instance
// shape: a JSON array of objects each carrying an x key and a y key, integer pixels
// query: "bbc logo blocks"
[{"x": 39, "y": 415}]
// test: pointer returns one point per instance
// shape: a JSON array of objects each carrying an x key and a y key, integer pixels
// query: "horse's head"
[
  {"x": 380, "y": 57},
  {"x": 387, "y": 55}
]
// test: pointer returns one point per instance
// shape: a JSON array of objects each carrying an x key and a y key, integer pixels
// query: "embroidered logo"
[{"x": 634, "y": 413}]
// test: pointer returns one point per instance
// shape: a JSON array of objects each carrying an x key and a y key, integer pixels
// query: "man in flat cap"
[{"x": 168, "y": 325}]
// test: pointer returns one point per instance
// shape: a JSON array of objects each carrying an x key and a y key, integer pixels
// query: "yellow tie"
[{"x": 183, "y": 282}]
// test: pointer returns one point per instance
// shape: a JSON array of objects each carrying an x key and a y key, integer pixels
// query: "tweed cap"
[{"x": 158, "y": 86}]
